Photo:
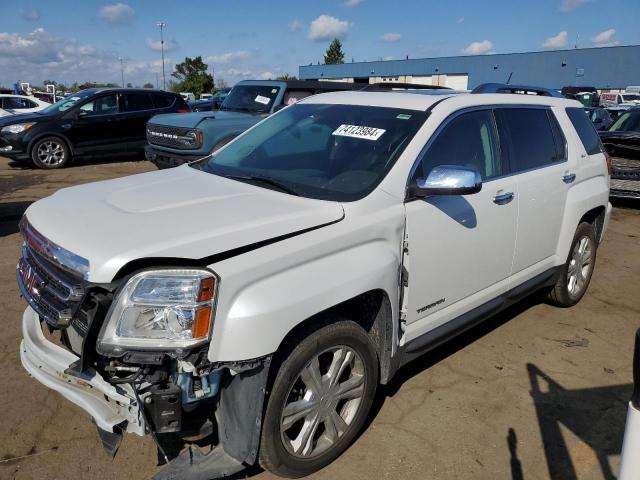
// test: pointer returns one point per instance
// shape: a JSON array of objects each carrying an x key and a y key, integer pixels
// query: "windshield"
[
  {"x": 627, "y": 122},
  {"x": 328, "y": 152},
  {"x": 68, "y": 102},
  {"x": 251, "y": 98},
  {"x": 630, "y": 97}
]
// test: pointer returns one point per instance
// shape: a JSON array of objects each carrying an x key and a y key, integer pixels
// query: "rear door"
[
  {"x": 136, "y": 109},
  {"x": 537, "y": 153}
]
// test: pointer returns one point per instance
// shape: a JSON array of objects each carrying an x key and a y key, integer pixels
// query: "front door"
[
  {"x": 94, "y": 126},
  {"x": 460, "y": 248}
]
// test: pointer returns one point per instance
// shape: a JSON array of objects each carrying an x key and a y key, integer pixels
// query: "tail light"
[
  {"x": 607, "y": 157},
  {"x": 184, "y": 110}
]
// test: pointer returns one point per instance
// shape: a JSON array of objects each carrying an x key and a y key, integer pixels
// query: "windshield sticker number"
[
  {"x": 262, "y": 100},
  {"x": 355, "y": 131},
  {"x": 403, "y": 116}
]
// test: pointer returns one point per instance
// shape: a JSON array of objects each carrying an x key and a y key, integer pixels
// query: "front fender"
[{"x": 264, "y": 294}]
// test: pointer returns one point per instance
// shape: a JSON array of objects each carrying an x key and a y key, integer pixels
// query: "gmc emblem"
[{"x": 30, "y": 279}]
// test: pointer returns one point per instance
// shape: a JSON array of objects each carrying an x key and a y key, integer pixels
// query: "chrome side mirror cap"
[{"x": 447, "y": 180}]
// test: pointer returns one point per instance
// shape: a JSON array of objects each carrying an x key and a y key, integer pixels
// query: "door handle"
[
  {"x": 503, "y": 198},
  {"x": 569, "y": 177}
]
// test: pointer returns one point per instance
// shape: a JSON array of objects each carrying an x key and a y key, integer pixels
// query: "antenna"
[
  {"x": 509, "y": 79},
  {"x": 577, "y": 38}
]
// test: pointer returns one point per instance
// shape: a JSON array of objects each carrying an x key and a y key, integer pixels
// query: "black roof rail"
[
  {"x": 519, "y": 89},
  {"x": 398, "y": 85}
]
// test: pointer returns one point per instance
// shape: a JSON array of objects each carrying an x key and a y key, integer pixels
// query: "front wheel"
[
  {"x": 576, "y": 273},
  {"x": 49, "y": 153},
  {"x": 320, "y": 400}
]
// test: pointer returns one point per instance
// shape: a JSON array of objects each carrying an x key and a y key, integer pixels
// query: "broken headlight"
[{"x": 160, "y": 310}]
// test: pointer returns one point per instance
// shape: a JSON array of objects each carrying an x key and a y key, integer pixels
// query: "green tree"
[
  {"x": 192, "y": 76},
  {"x": 129, "y": 85},
  {"x": 334, "y": 53},
  {"x": 286, "y": 76},
  {"x": 147, "y": 85}
]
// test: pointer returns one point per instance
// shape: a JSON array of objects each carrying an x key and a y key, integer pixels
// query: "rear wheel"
[
  {"x": 576, "y": 273},
  {"x": 320, "y": 400},
  {"x": 49, "y": 153}
]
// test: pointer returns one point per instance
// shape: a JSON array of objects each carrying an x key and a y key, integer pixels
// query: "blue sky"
[{"x": 82, "y": 40}]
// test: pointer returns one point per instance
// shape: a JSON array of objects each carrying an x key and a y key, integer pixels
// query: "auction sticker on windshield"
[
  {"x": 262, "y": 100},
  {"x": 356, "y": 131}
]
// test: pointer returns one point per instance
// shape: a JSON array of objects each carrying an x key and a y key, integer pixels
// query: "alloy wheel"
[
  {"x": 50, "y": 153},
  {"x": 580, "y": 266}
]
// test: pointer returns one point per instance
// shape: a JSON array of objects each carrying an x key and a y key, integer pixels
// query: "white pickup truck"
[{"x": 254, "y": 300}]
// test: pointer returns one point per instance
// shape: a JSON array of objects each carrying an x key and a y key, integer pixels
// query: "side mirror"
[
  {"x": 81, "y": 114},
  {"x": 448, "y": 180}
]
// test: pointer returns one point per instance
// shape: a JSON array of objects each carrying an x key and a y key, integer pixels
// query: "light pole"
[
  {"x": 121, "y": 70},
  {"x": 162, "y": 25}
]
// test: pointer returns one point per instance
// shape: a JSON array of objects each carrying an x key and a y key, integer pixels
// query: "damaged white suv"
[{"x": 253, "y": 301}]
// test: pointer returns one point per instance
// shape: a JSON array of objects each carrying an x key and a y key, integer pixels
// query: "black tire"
[
  {"x": 49, "y": 153},
  {"x": 345, "y": 336},
  {"x": 562, "y": 294}
]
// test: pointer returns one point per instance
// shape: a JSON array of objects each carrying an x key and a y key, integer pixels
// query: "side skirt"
[{"x": 456, "y": 326}]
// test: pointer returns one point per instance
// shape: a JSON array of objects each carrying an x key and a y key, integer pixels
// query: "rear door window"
[
  {"x": 586, "y": 131},
  {"x": 530, "y": 138},
  {"x": 162, "y": 101},
  {"x": 136, "y": 102}
]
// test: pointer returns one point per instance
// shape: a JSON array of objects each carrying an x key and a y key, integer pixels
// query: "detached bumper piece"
[
  {"x": 110, "y": 407},
  {"x": 630, "y": 457}
]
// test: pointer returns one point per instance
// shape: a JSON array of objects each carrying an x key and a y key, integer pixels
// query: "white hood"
[{"x": 179, "y": 212}]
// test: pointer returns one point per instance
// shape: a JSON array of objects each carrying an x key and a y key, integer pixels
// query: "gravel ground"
[{"x": 535, "y": 393}]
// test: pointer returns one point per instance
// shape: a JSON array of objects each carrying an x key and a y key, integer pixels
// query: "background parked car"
[
  {"x": 600, "y": 117},
  {"x": 176, "y": 139},
  {"x": 90, "y": 122},
  {"x": 13, "y": 104},
  {"x": 588, "y": 96},
  {"x": 622, "y": 142},
  {"x": 620, "y": 100},
  {"x": 211, "y": 103}
]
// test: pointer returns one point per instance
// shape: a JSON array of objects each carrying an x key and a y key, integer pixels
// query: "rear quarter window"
[
  {"x": 162, "y": 101},
  {"x": 585, "y": 130}
]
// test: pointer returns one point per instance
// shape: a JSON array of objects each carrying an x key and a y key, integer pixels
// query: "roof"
[
  {"x": 419, "y": 101},
  {"x": 126, "y": 90}
]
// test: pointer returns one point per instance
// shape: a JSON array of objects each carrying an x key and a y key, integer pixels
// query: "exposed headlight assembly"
[
  {"x": 164, "y": 310},
  {"x": 18, "y": 127}
]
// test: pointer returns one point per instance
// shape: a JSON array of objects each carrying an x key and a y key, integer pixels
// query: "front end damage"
[{"x": 204, "y": 417}]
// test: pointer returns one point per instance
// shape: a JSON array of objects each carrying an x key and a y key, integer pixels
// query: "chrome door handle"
[
  {"x": 569, "y": 178},
  {"x": 503, "y": 198}
]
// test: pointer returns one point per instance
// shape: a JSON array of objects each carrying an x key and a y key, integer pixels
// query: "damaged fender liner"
[
  {"x": 239, "y": 419},
  {"x": 142, "y": 263}
]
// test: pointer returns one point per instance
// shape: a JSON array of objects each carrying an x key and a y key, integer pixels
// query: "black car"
[
  {"x": 622, "y": 142},
  {"x": 600, "y": 117},
  {"x": 96, "y": 121}
]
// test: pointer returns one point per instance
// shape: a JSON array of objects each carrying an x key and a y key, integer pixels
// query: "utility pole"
[
  {"x": 121, "y": 70},
  {"x": 162, "y": 25}
]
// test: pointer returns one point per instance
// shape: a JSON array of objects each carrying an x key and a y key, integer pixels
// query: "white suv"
[{"x": 254, "y": 300}]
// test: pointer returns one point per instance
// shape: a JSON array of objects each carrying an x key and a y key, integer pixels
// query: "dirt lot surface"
[{"x": 535, "y": 393}]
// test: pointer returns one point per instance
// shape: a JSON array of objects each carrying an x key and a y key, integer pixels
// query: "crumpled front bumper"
[{"x": 47, "y": 362}]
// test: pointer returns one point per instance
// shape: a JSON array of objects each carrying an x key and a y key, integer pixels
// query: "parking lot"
[{"x": 535, "y": 393}]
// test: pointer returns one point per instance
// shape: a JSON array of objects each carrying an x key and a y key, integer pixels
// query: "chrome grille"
[{"x": 174, "y": 137}]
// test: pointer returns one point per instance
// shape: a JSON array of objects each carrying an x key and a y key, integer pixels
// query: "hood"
[
  {"x": 179, "y": 212},
  {"x": 193, "y": 119},
  {"x": 22, "y": 117}
]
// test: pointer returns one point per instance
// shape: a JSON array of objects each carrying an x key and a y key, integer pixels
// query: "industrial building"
[{"x": 606, "y": 68}]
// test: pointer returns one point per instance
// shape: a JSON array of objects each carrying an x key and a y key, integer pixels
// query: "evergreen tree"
[{"x": 334, "y": 54}]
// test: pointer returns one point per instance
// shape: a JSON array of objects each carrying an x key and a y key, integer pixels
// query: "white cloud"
[
  {"x": 29, "y": 14},
  {"x": 605, "y": 39},
  {"x": 571, "y": 5},
  {"x": 116, "y": 13},
  {"x": 557, "y": 41},
  {"x": 296, "y": 26},
  {"x": 479, "y": 48},
  {"x": 352, "y": 3},
  {"x": 229, "y": 57},
  {"x": 156, "y": 45},
  {"x": 267, "y": 75},
  {"x": 326, "y": 27},
  {"x": 390, "y": 37}
]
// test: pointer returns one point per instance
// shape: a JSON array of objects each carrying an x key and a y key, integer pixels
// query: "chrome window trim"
[{"x": 476, "y": 108}]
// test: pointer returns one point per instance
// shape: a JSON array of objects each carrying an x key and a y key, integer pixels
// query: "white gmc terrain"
[{"x": 246, "y": 306}]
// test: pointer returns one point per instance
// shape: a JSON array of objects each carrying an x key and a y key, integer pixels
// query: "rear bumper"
[
  {"x": 47, "y": 363},
  {"x": 163, "y": 159}
]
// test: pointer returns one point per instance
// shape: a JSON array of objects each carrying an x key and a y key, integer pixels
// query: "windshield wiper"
[{"x": 265, "y": 181}]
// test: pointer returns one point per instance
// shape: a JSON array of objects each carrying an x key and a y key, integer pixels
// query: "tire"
[
  {"x": 49, "y": 153},
  {"x": 336, "y": 405},
  {"x": 575, "y": 275}
]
